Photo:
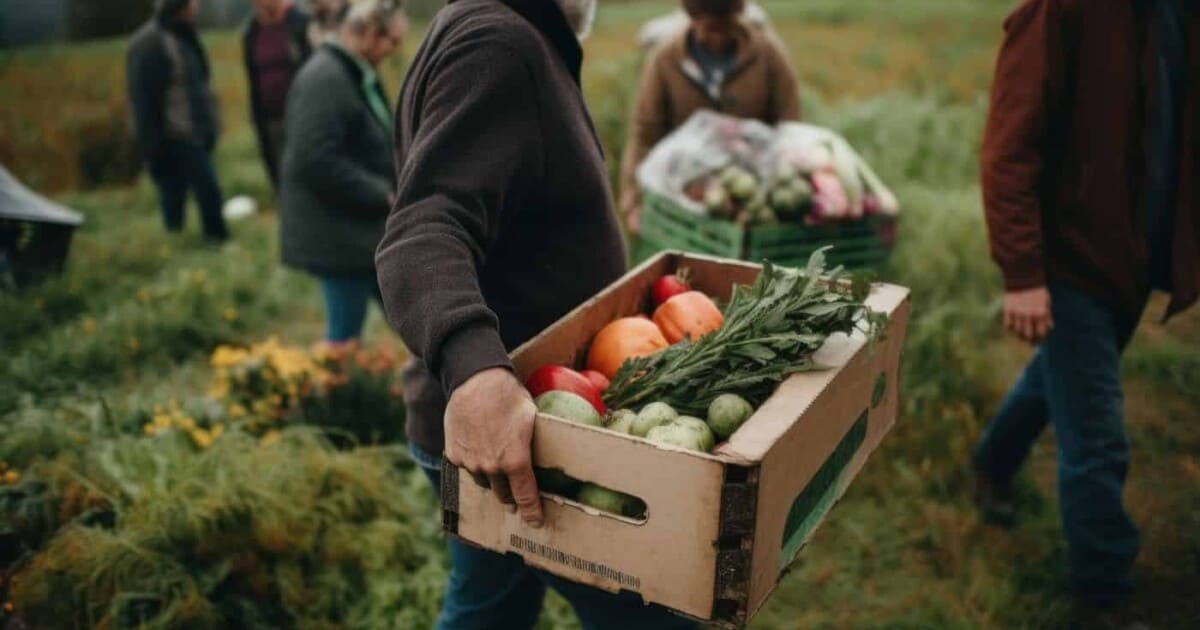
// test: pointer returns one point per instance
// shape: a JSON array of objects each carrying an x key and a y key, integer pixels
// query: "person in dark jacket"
[
  {"x": 1089, "y": 174},
  {"x": 503, "y": 223},
  {"x": 275, "y": 44},
  {"x": 337, "y": 165},
  {"x": 175, "y": 114}
]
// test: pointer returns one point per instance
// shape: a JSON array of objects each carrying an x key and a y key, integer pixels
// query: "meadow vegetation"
[{"x": 157, "y": 527}]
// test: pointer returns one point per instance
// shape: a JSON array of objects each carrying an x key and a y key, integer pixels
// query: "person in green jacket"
[{"x": 337, "y": 179}]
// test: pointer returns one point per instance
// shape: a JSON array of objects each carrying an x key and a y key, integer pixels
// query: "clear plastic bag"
[{"x": 707, "y": 149}]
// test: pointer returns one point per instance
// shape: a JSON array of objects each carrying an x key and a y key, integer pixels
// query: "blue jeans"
[
  {"x": 181, "y": 166},
  {"x": 346, "y": 297},
  {"x": 1074, "y": 383},
  {"x": 487, "y": 590}
]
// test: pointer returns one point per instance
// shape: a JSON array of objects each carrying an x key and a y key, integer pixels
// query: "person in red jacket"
[{"x": 1089, "y": 173}]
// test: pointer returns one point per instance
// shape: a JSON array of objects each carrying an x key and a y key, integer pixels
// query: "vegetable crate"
[
  {"x": 720, "y": 530},
  {"x": 862, "y": 244}
]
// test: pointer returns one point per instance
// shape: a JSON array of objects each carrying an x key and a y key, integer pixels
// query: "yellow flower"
[
  {"x": 227, "y": 357},
  {"x": 8, "y": 607},
  {"x": 217, "y": 430},
  {"x": 162, "y": 420},
  {"x": 143, "y": 295},
  {"x": 150, "y": 429},
  {"x": 219, "y": 390},
  {"x": 88, "y": 325},
  {"x": 237, "y": 411},
  {"x": 270, "y": 437},
  {"x": 12, "y": 477},
  {"x": 202, "y": 438},
  {"x": 187, "y": 424},
  {"x": 230, "y": 314}
]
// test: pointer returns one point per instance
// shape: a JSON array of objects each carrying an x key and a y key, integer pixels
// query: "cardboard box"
[{"x": 720, "y": 529}]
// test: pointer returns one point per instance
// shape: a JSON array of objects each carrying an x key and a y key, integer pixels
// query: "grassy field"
[{"x": 136, "y": 317}]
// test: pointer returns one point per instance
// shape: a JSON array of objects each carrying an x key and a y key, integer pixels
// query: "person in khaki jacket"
[{"x": 718, "y": 63}]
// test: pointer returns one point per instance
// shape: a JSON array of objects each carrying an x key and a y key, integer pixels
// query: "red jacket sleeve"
[{"x": 1029, "y": 74}]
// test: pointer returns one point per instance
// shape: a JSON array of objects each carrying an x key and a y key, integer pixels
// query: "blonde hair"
[{"x": 360, "y": 15}]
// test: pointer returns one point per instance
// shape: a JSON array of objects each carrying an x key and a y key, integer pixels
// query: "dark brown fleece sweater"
[{"x": 503, "y": 220}]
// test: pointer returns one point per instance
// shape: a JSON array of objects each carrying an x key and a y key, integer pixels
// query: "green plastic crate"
[{"x": 862, "y": 244}]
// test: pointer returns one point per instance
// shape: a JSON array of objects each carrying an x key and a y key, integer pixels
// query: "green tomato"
[
  {"x": 784, "y": 199},
  {"x": 743, "y": 187},
  {"x": 786, "y": 173},
  {"x": 651, "y": 416},
  {"x": 707, "y": 440},
  {"x": 621, "y": 421},
  {"x": 675, "y": 434},
  {"x": 570, "y": 407},
  {"x": 730, "y": 174},
  {"x": 606, "y": 500},
  {"x": 716, "y": 199},
  {"x": 803, "y": 192},
  {"x": 727, "y": 413}
]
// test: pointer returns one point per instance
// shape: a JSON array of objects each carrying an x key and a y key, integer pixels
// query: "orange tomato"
[
  {"x": 688, "y": 315},
  {"x": 623, "y": 339}
]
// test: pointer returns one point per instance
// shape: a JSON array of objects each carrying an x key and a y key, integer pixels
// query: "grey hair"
[{"x": 377, "y": 14}]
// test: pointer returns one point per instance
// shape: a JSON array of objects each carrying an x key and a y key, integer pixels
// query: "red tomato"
[
  {"x": 599, "y": 380},
  {"x": 668, "y": 287},
  {"x": 563, "y": 379}
]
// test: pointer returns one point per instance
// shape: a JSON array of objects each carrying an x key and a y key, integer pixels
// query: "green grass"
[{"x": 906, "y": 82}]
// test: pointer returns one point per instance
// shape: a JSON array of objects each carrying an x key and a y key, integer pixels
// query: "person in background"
[
  {"x": 1089, "y": 175},
  {"x": 275, "y": 44},
  {"x": 503, "y": 223},
  {"x": 325, "y": 15},
  {"x": 175, "y": 114},
  {"x": 717, "y": 63},
  {"x": 337, "y": 178}
]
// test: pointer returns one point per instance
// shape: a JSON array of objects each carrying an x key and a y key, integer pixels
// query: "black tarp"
[{"x": 35, "y": 233}]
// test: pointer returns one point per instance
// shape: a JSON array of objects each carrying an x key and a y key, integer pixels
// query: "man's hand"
[
  {"x": 1027, "y": 314},
  {"x": 489, "y": 427}
]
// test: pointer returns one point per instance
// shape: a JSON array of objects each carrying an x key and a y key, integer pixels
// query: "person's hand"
[
  {"x": 634, "y": 221},
  {"x": 1027, "y": 314},
  {"x": 489, "y": 427}
]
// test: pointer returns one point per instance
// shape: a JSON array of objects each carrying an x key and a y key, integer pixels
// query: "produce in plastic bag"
[
  {"x": 811, "y": 149},
  {"x": 710, "y": 164},
  {"x": 743, "y": 171}
]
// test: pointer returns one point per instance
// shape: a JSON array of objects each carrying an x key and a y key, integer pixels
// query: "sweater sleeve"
[
  {"x": 318, "y": 119},
  {"x": 785, "y": 89},
  {"x": 648, "y": 125},
  {"x": 474, "y": 148},
  {"x": 1028, "y": 74}
]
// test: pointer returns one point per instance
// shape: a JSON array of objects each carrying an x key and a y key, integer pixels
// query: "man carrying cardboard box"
[
  {"x": 503, "y": 223},
  {"x": 1089, "y": 172}
]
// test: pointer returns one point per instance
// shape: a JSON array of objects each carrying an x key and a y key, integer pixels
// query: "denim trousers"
[
  {"x": 1074, "y": 383},
  {"x": 182, "y": 166},
  {"x": 346, "y": 299},
  {"x": 487, "y": 590}
]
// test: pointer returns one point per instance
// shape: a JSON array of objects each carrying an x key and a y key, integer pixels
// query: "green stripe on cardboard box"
[{"x": 818, "y": 497}]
